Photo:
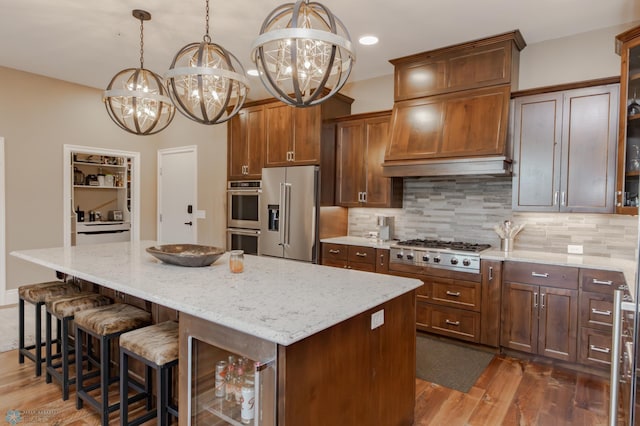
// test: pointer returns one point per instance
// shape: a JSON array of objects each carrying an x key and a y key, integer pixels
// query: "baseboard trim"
[{"x": 11, "y": 297}]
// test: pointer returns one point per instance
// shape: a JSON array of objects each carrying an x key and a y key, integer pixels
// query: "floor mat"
[{"x": 449, "y": 364}]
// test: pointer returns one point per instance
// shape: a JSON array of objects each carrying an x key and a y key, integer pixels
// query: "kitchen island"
[{"x": 336, "y": 362}]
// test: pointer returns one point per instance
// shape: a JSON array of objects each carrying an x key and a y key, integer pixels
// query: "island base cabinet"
[
  {"x": 351, "y": 374},
  {"x": 226, "y": 399}
]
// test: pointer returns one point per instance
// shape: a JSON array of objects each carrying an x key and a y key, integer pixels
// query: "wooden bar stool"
[
  {"x": 156, "y": 346},
  {"x": 37, "y": 294},
  {"x": 64, "y": 308},
  {"x": 105, "y": 323}
]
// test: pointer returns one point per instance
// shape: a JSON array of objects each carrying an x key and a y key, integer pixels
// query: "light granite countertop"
[
  {"x": 359, "y": 241},
  {"x": 282, "y": 301}
]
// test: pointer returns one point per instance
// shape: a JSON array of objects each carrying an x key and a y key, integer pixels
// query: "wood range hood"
[{"x": 451, "y": 109}]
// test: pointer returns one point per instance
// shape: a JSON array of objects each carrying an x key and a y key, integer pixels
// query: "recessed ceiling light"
[
  {"x": 253, "y": 73},
  {"x": 368, "y": 40}
]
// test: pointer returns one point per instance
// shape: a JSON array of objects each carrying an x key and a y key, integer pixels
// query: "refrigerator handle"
[
  {"x": 616, "y": 338},
  {"x": 283, "y": 218},
  {"x": 287, "y": 212}
]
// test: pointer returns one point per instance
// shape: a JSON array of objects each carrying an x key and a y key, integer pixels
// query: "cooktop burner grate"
[{"x": 451, "y": 245}]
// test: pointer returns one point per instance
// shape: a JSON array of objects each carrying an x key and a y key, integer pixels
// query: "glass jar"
[{"x": 236, "y": 261}]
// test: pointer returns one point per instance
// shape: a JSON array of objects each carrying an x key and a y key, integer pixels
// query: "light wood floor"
[{"x": 509, "y": 392}]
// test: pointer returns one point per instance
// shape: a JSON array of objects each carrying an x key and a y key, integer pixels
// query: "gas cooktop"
[
  {"x": 445, "y": 245},
  {"x": 453, "y": 255}
]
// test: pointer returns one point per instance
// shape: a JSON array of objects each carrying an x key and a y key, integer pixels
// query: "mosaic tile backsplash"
[{"x": 467, "y": 209}]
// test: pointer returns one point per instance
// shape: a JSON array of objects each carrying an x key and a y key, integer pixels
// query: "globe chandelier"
[
  {"x": 303, "y": 54},
  {"x": 203, "y": 82},
  {"x": 136, "y": 98}
]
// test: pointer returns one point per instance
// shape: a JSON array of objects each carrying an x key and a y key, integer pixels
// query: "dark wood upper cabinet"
[
  {"x": 628, "y": 176},
  {"x": 453, "y": 103},
  {"x": 565, "y": 150},
  {"x": 245, "y": 133},
  {"x": 361, "y": 141},
  {"x": 475, "y": 64}
]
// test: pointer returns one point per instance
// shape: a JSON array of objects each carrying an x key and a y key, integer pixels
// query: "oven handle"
[
  {"x": 244, "y": 191},
  {"x": 241, "y": 231}
]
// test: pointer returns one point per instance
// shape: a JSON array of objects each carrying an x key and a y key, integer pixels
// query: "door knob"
[{"x": 189, "y": 223}]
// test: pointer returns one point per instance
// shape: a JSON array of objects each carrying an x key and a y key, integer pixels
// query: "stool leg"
[
  {"x": 148, "y": 373},
  {"x": 65, "y": 358},
  {"x": 20, "y": 330},
  {"x": 79, "y": 373},
  {"x": 164, "y": 385},
  {"x": 104, "y": 379},
  {"x": 49, "y": 355},
  {"x": 38, "y": 342},
  {"x": 124, "y": 388},
  {"x": 58, "y": 334}
]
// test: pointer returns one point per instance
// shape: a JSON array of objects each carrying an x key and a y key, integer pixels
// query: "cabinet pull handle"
[
  {"x": 538, "y": 275},
  {"x": 361, "y": 254},
  {"x": 564, "y": 199},
  {"x": 382, "y": 260},
  {"x": 599, "y": 349},
  {"x": 542, "y": 300},
  {"x": 453, "y": 293},
  {"x": 555, "y": 198},
  {"x": 600, "y": 282},
  {"x": 364, "y": 197},
  {"x": 490, "y": 273},
  {"x": 449, "y": 322},
  {"x": 535, "y": 300},
  {"x": 334, "y": 251},
  {"x": 598, "y": 312}
]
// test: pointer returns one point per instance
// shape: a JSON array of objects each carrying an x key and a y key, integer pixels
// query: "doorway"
[
  {"x": 177, "y": 195},
  {"x": 130, "y": 189},
  {"x": 3, "y": 266}
]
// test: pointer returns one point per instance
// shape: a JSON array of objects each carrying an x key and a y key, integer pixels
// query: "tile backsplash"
[{"x": 467, "y": 209}]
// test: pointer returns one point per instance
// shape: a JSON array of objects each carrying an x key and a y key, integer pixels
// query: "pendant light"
[
  {"x": 203, "y": 82},
  {"x": 303, "y": 54},
  {"x": 136, "y": 98}
]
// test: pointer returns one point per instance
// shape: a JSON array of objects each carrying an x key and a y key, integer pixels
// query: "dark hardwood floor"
[{"x": 509, "y": 392}]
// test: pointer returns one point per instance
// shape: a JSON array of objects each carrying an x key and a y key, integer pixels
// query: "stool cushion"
[
  {"x": 157, "y": 343},
  {"x": 67, "y": 306},
  {"x": 110, "y": 319},
  {"x": 38, "y": 293}
]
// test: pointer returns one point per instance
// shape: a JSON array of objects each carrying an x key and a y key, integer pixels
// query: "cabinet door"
[
  {"x": 236, "y": 146},
  {"x": 589, "y": 138},
  {"x": 520, "y": 317},
  {"x": 376, "y": 137},
  {"x": 245, "y": 144},
  {"x": 558, "y": 327},
  {"x": 536, "y": 145},
  {"x": 279, "y": 130},
  {"x": 349, "y": 163},
  {"x": 307, "y": 127},
  {"x": 382, "y": 261},
  {"x": 491, "y": 300}
]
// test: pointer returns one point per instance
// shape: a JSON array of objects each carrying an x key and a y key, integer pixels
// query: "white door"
[
  {"x": 3, "y": 269},
  {"x": 177, "y": 193}
]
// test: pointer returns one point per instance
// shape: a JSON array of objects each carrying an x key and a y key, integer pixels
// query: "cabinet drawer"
[
  {"x": 362, "y": 254},
  {"x": 541, "y": 274},
  {"x": 596, "y": 310},
  {"x": 361, "y": 266},
  {"x": 458, "y": 294},
  {"x": 334, "y": 251},
  {"x": 458, "y": 323},
  {"x": 423, "y": 315},
  {"x": 601, "y": 281},
  {"x": 334, "y": 262},
  {"x": 595, "y": 347}
]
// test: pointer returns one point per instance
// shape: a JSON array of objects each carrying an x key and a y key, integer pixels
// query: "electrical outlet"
[
  {"x": 574, "y": 249},
  {"x": 377, "y": 319}
]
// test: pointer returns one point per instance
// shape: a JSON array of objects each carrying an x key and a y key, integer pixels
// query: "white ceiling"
[{"x": 88, "y": 41}]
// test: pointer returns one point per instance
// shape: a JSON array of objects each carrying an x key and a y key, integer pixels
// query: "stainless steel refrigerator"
[{"x": 290, "y": 205}]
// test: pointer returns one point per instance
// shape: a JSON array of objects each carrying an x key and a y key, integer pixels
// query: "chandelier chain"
[
  {"x": 141, "y": 43},
  {"x": 206, "y": 37}
]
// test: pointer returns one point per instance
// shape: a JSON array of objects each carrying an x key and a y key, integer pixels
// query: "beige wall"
[{"x": 38, "y": 116}]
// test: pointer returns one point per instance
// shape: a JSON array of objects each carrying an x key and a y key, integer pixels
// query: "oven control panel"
[{"x": 456, "y": 261}]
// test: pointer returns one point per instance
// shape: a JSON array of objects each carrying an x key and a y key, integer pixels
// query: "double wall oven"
[{"x": 243, "y": 216}]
